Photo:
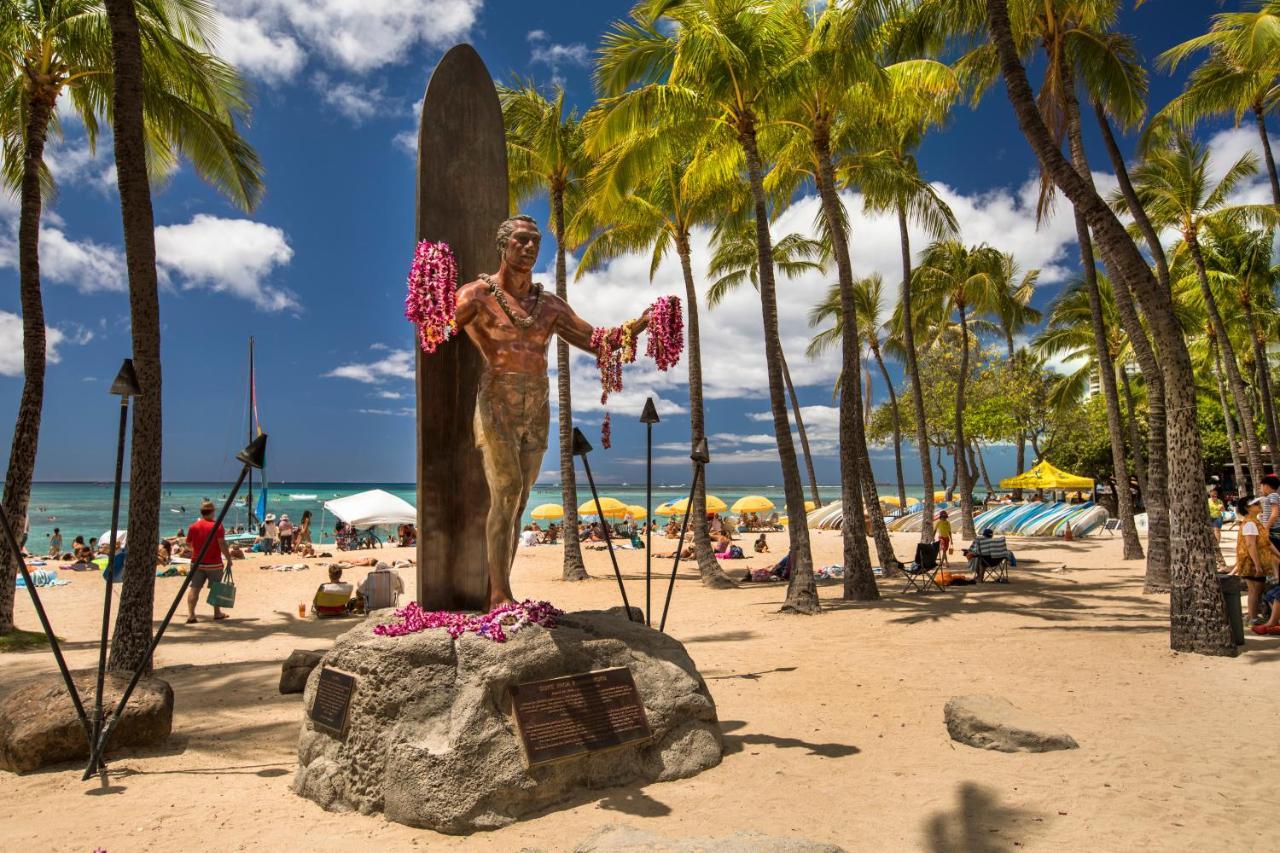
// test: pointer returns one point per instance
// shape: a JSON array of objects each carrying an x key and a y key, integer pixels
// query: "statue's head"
[{"x": 518, "y": 242}]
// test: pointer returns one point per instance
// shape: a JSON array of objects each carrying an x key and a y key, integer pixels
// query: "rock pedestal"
[
  {"x": 430, "y": 739},
  {"x": 39, "y": 726}
]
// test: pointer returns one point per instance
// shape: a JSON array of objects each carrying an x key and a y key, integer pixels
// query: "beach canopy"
[
  {"x": 714, "y": 504},
  {"x": 612, "y": 507},
  {"x": 372, "y": 507},
  {"x": 752, "y": 503},
  {"x": 636, "y": 511},
  {"x": 548, "y": 512},
  {"x": 1044, "y": 476}
]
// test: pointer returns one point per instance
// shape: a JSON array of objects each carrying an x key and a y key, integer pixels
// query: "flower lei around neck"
[
  {"x": 616, "y": 346},
  {"x": 497, "y": 292},
  {"x": 497, "y": 625}
]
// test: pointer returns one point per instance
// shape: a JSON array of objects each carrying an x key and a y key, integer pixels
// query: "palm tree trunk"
[
  {"x": 137, "y": 592},
  {"x": 1198, "y": 618},
  {"x": 859, "y": 579},
  {"x": 1267, "y": 155},
  {"x": 708, "y": 566},
  {"x": 1021, "y": 461},
  {"x": 897, "y": 423},
  {"x": 942, "y": 472},
  {"x": 26, "y": 428},
  {"x": 803, "y": 433},
  {"x": 1136, "y": 210},
  {"x": 802, "y": 592},
  {"x": 573, "y": 568},
  {"x": 913, "y": 374},
  {"x": 1258, "y": 339},
  {"x": 1131, "y": 420},
  {"x": 982, "y": 466},
  {"x": 1236, "y": 465},
  {"x": 962, "y": 479},
  {"x": 1235, "y": 382}
]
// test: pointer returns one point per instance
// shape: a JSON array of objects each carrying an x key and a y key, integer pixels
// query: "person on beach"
[
  {"x": 55, "y": 543},
  {"x": 942, "y": 529},
  {"x": 336, "y": 589},
  {"x": 270, "y": 534},
  {"x": 511, "y": 320},
  {"x": 1256, "y": 555},
  {"x": 761, "y": 545},
  {"x": 210, "y": 568},
  {"x": 1269, "y": 519},
  {"x": 302, "y": 537},
  {"x": 553, "y": 534},
  {"x": 1216, "y": 510},
  {"x": 381, "y": 588},
  {"x": 286, "y": 535}
]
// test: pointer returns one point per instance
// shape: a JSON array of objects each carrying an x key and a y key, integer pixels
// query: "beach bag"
[{"x": 223, "y": 593}]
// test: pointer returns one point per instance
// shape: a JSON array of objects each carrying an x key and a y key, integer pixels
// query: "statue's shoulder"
[
  {"x": 550, "y": 298},
  {"x": 473, "y": 289}
]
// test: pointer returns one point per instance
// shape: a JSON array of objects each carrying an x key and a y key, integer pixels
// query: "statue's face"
[{"x": 522, "y": 248}]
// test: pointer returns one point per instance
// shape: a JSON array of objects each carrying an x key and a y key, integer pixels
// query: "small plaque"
[
  {"x": 561, "y": 718},
  {"x": 330, "y": 708}
]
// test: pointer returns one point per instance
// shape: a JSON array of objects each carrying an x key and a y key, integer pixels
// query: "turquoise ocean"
[{"x": 84, "y": 509}]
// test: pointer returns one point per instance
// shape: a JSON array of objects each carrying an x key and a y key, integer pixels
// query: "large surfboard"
[{"x": 462, "y": 198}]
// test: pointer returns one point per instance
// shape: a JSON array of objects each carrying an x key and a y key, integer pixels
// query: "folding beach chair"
[
  {"x": 989, "y": 559},
  {"x": 1111, "y": 526},
  {"x": 923, "y": 573}
]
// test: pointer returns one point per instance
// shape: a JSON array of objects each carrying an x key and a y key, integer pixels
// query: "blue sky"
[{"x": 316, "y": 273}]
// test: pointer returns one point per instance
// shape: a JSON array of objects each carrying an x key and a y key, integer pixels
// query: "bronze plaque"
[
  {"x": 330, "y": 708},
  {"x": 561, "y": 718}
]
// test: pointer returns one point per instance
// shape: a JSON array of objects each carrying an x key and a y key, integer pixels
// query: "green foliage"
[
  {"x": 1080, "y": 442},
  {"x": 19, "y": 640}
]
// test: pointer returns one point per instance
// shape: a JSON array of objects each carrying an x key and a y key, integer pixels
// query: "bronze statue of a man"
[{"x": 511, "y": 319}]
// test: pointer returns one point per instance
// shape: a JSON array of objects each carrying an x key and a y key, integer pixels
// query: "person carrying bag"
[{"x": 209, "y": 569}]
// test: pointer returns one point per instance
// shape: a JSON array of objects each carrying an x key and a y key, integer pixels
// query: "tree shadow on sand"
[
  {"x": 977, "y": 824},
  {"x": 737, "y": 743}
]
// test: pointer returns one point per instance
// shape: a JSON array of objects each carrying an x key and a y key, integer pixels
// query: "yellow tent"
[
  {"x": 548, "y": 512},
  {"x": 613, "y": 508},
  {"x": 1044, "y": 476}
]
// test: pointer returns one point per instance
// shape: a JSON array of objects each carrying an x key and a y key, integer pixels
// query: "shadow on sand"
[{"x": 978, "y": 823}]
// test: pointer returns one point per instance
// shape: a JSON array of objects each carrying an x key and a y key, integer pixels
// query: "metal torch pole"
[
  {"x": 648, "y": 417},
  {"x": 581, "y": 447},
  {"x": 700, "y": 458}
]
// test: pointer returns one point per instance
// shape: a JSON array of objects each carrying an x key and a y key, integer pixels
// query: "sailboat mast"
[{"x": 249, "y": 498}]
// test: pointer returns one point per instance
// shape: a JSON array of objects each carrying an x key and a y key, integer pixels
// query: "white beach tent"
[{"x": 372, "y": 507}]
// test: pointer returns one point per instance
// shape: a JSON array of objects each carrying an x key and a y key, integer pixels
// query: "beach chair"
[
  {"x": 330, "y": 603},
  {"x": 1111, "y": 526},
  {"x": 381, "y": 589},
  {"x": 989, "y": 559},
  {"x": 923, "y": 573}
]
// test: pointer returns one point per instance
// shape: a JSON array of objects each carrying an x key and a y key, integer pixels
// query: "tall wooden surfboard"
[{"x": 462, "y": 198}]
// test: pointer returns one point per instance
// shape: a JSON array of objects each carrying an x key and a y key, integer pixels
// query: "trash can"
[{"x": 1231, "y": 587}]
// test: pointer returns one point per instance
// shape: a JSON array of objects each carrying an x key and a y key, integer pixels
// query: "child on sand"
[{"x": 942, "y": 529}]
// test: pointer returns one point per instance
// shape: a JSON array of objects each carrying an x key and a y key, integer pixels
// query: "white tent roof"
[{"x": 372, "y": 507}]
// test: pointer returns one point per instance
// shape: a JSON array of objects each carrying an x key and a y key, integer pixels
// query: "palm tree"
[
  {"x": 647, "y": 210},
  {"x": 1198, "y": 620},
  {"x": 63, "y": 47},
  {"x": 545, "y": 153},
  {"x": 1072, "y": 331},
  {"x": 1014, "y": 311},
  {"x": 965, "y": 280},
  {"x": 1241, "y": 74},
  {"x": 734, "y": 262},
  {"x": 713, "y": 73},
  {"x": 1175, "y": 188}
]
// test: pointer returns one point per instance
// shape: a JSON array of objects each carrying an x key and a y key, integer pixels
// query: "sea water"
[{"x": 84, "y": 509}]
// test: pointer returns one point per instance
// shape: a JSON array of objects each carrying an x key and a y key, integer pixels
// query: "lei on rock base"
[
  {"x": 616, "y": 346},
  {"x": 432, "y": 301},
  {"x": 497, "y": 625}
]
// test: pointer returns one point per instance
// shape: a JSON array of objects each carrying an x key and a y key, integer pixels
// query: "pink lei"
[
  {"x": 616, "y": 346},
  {"x": 432, "y": 301},
  {"x": 497, "y": 625}
]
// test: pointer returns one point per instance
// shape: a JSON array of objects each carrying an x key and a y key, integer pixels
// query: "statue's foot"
[{"x": 497, "y": 601}]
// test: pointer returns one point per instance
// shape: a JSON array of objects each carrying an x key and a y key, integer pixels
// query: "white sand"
[{"x": 833, "y": 723}]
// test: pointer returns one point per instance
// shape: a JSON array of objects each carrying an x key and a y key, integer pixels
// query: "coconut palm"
[
  {"x": 1175, "y": 187},
  {"x": 647, "y": 210},
  {"x": 966, "y": 281},
  {"x": 709, "y": 66},
  {"x": 1241, "y": 74},
  {"x": 1198, "y": 622},
  {"x": 57, "y": 48},
  {"x": 545, "y": 154}
]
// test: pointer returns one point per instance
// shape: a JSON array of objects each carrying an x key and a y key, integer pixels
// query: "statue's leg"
[{"x": 500, "y": 448}]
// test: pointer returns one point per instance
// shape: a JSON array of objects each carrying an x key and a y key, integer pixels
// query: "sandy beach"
[{"x": 833, "y": 724}]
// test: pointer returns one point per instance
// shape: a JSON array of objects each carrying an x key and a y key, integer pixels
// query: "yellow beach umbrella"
[
  {"x": 636, "y": 511},
  {"x": 664, "y": 510},
  {"x": 714, "y": 504},
  {"x": 939, "y": 496},
  {"x": 891, "y": 500},
  {"x": 784, "y": 521},
  {"x": 810, "y": 506},
  {"x": 752, "y": 503},
  {"x": 548, "y": 512},
  {"x": 612, "y": 507}
]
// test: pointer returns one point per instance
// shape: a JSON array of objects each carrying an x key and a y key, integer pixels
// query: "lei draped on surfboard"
[
  {"x": 432, "y": 301},
  {"x": 616, "y": 346}
]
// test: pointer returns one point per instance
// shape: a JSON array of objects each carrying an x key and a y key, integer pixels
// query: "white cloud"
[
  {"x": 556, "y": 56},
  {"x": 54, "y": 337},
  {"x": 391, "y": 395},
  {"x": 399, "y": 413},
  {"x": 397, "y": 365},
  {"x": 360, "y": 36},
  {"x": 406, "y": 141},
  {"x": 257, "y": 50},
  {"x": 537, "y": 35},
  {"x": 85, "y": 265},
  {"x": 351, "y": 100},
  {"x": 235, "y": 256}
]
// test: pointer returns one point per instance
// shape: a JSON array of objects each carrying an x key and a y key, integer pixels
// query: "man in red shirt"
[{"x": 210, "y": 568}]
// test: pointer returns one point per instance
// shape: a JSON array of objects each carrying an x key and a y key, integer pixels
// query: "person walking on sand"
[
  {"x": 211, "y": 568},
  {"x": 942, "y": 529},
  {"x": 286, "y": 535}
]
